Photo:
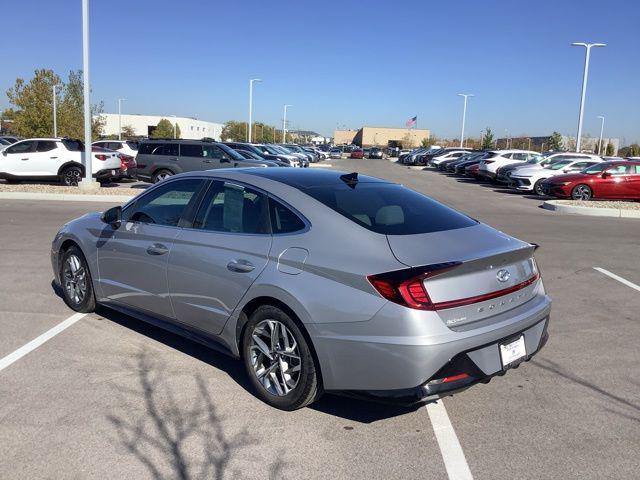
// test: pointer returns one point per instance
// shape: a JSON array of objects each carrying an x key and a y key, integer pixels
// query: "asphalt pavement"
[{"x": 111, "y": 397}]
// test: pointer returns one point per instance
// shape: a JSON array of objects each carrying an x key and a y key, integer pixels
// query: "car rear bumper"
[
  {"x": 354, "y": 358},
  {"x": 486, "y": 174}
]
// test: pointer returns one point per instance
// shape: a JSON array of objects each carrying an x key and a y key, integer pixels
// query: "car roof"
[{"x": 307, "y": 177}]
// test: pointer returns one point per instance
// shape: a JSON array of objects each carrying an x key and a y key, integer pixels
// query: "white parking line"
[
  {"x": 36, "y": 342},
  {"x": 616, "y": 277},
  {"x": 452, "y": 454}
]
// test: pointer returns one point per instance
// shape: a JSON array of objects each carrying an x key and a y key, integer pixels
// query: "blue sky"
[{"x": 346, "y": 62}]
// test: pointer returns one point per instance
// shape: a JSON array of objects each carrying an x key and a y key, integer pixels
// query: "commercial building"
[
  {"x": 382, "y": 137},
  {"x": 144, "y": 125}
]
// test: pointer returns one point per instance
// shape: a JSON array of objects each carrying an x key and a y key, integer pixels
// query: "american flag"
[{"x": 412, "y": 121}]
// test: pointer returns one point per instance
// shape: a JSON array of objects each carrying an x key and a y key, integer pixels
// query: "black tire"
[
  {"x": 161, "y": 174},
  {"x": 308, "y": 388},
  {"x": 70, "y": 176},
  {"x": 581, "y": 192},
  {"x": 537, "y": 187},
  {"x": 87, "y": 303}
]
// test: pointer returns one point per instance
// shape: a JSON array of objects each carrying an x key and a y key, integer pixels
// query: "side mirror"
[
  {"x": 605, "y": 175},
  {"x": 113, "y": 217},
  {"x": 4, "y": 152}
]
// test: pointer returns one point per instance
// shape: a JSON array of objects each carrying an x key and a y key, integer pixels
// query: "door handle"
[
  {"x": 240, "y": 266},
  {"x": 53, "y": 158},
  {"x": 24, "y": 159},
  {"x": 207, "y": 161},
  {"x": 157, "y": 249}
]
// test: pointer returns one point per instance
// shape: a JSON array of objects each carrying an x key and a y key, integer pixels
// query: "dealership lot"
[{"x": 110, "y": 394}]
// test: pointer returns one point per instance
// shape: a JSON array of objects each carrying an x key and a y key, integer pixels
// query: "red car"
[
  {"x": 472, "y": 170},
  {"x": 357, "y": 153},
  {"x": 128, "y": 166},
  {"x": 619, "y": 180}
]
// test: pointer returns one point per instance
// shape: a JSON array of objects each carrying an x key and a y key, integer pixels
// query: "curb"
[
  {"x": 320, "y": 165},
  {"x": 65, "y": 197},
  {"x": 590, "y": 211}
]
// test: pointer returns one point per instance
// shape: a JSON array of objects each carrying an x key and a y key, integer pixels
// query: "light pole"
[
  {"x": 464, "y": 115},
  {"x": 585, "y": 75},
  {"x": 174, "y": 126},
  {"x": 87, "y": 182},
  {"x": 251, "y": 106},
  {"x": 55, "y": 115},
  {"x": 120, "y": 100},
  {"x": 601, "y": 117},
  {"x": 284, "y": 124}
]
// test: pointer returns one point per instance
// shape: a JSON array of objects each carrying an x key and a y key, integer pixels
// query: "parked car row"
[
  {"x": 61, "y": 159},
  {"x": 572, "y": 175}
]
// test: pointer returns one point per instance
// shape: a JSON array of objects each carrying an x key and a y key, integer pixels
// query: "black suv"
[{"x": 160, "y": 159}]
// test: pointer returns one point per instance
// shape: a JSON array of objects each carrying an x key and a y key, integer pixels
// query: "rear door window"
[
  {"x": 232, "y": 208},
  {"x": 190, "y": 150},
  {"x": 389, "y": 208},
  {"x": 73, "y": 145},
  {"x": 46, "y": 146}
]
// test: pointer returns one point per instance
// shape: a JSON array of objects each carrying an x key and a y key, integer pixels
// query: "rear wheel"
[
  {"x": 279, "y": 361},
  {"x": 71, "y": 176},
  {"x": 77, "y": 288},
  {"x": 161, "y": 175},
  {"x": 581, "y": 192},
  {"x": 537, "y": 187}
]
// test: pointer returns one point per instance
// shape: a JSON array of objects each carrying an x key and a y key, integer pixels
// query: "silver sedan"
[{"x": 318, "y": 280}]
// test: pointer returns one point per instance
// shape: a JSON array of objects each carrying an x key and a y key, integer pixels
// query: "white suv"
[
  {"x": 59, "y": 159},
  {"x": 530, "y": 179},
  {"x": 499, "y": 158},
  {"x": 128, "y": 147}
]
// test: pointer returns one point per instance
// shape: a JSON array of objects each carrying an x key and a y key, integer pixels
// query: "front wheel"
[
  {"x": 581, "y": 192},
  {"x": 77, "y": 288},
  {"x": 537, "y": 187},
  {"x": 279, "y": 361}
]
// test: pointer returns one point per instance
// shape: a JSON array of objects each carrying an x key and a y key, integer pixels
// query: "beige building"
[{"x": 382, "y": 137}]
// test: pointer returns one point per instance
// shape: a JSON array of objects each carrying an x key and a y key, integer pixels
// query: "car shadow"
[{"x": 353, "y": 409}]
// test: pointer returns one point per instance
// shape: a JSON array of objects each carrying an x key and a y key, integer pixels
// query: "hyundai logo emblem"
[{"x": 503, "y": 275}]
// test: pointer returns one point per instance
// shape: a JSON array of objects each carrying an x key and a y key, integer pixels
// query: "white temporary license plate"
[{"x": 512, "y": 352}]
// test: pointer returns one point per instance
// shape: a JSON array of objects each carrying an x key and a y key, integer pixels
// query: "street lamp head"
[
  {"x": 466, "y": 95},
  {"x": 601, "y": 117},
  {"x": 255, "y": 80},
  {"x": 588, "y": 45}
]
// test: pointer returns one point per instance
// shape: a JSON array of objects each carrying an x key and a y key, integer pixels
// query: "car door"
[
  {"x": 615, "y": 183},
  {"x": 191, "y": 157},
  {"x": 132, "y": 259},
  {"x": 634, "y": 182},
  {"x": 45, "y": 160},
  {"x": 214, "y": 263},
  {"x": 15, "y": 159}
]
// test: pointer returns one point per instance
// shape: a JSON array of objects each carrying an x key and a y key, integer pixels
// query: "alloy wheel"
[
  {"x": 71, "y": 177},
  {"x": 75, "y": 279},
  {"x": 581, "y": 192},
  {"x": 275, "y": 357}
]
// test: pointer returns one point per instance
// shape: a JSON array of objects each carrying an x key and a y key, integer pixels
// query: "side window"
[
  {"x": 637, "y": 170},
  {"x": 519, "y": 156},
  {"x": 212, "y": 151},
  {"x": 190, "y": 150},
  {"x": 283, "y": 220},
  {"x": 164, "y": 205},
  {"x": 581, "y": 165},
  {"x": 620, "y": 170},
  {"x": 21, "y": 147},
  {"x": 45, "y": 146},
  {"x": 171, "y": 149},
  {"x": 115, "y": 146},
  {"x": 232, "y": 208},
  {"x": 146, "y": 148}
]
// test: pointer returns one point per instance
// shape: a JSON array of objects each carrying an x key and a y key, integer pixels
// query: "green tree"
[
  {"x": 71, "y": 110},
  {"x": 165, "y": 129},
  {"x": 128, "y": 131},
  {"x": 610, "y": 149},
  {"x": 233, "y": 130},
  {"x": 33, "y": 116},
  {"x": 487, "y": 140},
  {"x": 554, "y": 143},
  {"x": 428, "y": 141}
]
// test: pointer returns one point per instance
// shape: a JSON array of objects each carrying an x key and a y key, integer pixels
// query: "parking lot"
[{"x": 111, "y": 397}]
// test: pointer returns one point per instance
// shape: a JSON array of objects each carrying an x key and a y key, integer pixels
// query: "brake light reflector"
[{"x": 101, "y": 157}]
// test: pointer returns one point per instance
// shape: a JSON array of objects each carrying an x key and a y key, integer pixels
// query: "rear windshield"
[
  {"x": 73, "y": 145},
  {"x": 389, "y": 209}
]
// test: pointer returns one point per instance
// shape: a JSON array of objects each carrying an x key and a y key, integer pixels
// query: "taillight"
[
  {"x": 101, "y": 157},
  {"x": 406, "y": 287}
]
